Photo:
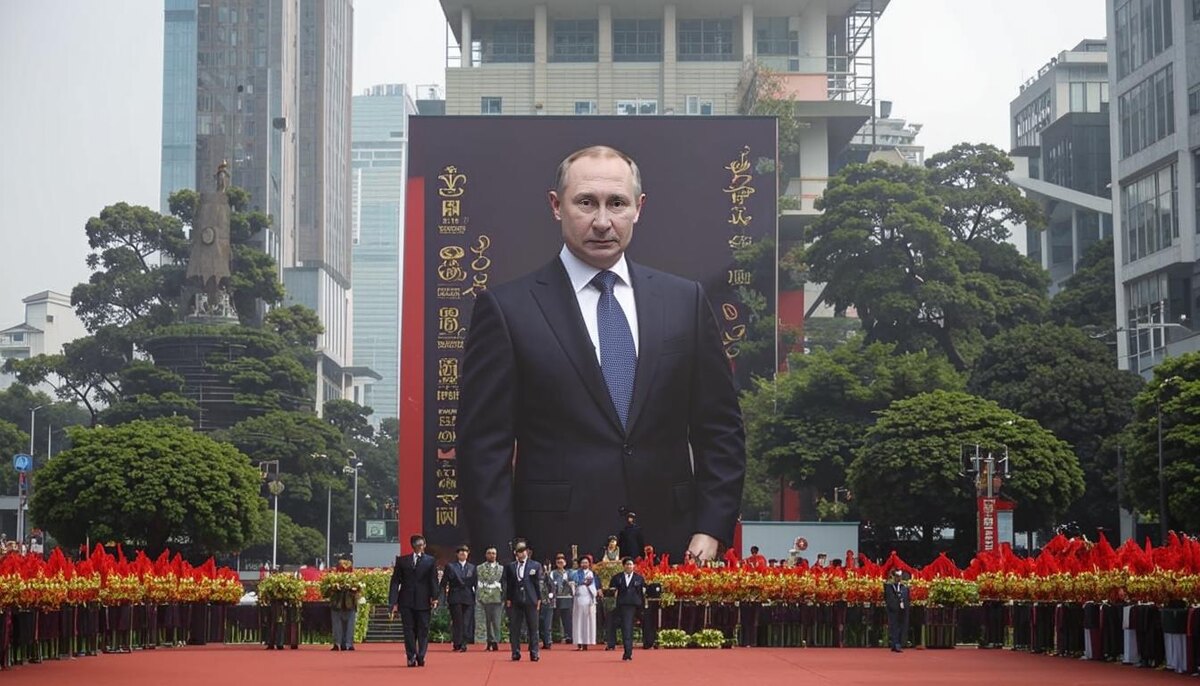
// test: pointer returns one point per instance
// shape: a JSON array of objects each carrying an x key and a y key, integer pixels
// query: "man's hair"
[
  {"x": 412, "y": 540},
  {"x": 560, "y": 179},
  {"x": 627, "y": 560},
  {"x": 490, "y": 549},
  {"x": 462, "y": 549},
  {"x": 753, "y": 550}
]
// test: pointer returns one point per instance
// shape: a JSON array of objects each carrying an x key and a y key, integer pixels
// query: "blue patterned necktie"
[{"x": 618, "y": 356}]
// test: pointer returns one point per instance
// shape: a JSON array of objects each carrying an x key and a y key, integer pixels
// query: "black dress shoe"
[
  {"x": 516, "y": 658},
  {"x": 546, "y": 646},
  {"x": 412, "y": 663},
  {"x": 610, "y": 648},
  {"x": 336, "y": 648},
  {"x": 626, "y": 657},
  {"x": 348, "y": 648},
  {"x": 534, "y": 658},
  {"x": 420, "y": 662}
]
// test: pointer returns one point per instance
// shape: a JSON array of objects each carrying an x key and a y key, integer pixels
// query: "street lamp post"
[
  {"x": 23, "y": 494},
  {"x": 353, "y": 468},
  {"x": 1162, "y": 479},
  {"x": 275, "y": 487}
]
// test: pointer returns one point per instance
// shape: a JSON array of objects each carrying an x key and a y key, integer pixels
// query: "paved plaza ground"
[{"x": 384, "y": 664}]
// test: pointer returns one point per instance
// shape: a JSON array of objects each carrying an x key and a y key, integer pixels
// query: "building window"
[
  {"x": 1148, "y": 213},
  {"x": 16, "y": 337},
  {"x": 705, "y": 40},
  {"x": 772, "y": 37},
  {"x": 575, "y": 40},
  {"x": 697, "y": 106},
  {"x": 1194, "y": 98},
  {"x": 585, "y": 107},
  {"x": 637, "y": 107},
  {"x": 1143, "y": 31},
  {"x": 491, "y": 105},
  {"x": 1089, "y": 96},
  {"x": 1149, "y": 309},
  {"x": 1032, "y": 119},
  {"x": 503, "y": 41},
  {"x": 1147, "y": 112},
  {"x": 1195, "y": 10},
  {"x": 49, "y": 319},
  {"x": 637, "y": 40}
]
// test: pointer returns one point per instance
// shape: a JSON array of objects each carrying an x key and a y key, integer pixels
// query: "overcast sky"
[{"x": 80, "y": 125}]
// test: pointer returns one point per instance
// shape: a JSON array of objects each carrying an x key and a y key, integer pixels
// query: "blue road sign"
[{"x": 22, "y": 462}]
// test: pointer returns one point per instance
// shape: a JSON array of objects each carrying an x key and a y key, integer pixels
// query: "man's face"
[
  {"x": 419, "y": 546},
  {"x": 522, "y": 554},
  {"x": 585, "y": 564},
  {"x": 490, "y": 555},
  {"x": 462, "y": 556},
  {"x": 597, "y": 209},
  {"x": 561, "y": 563},
  {"x": 629, "y": 566}
]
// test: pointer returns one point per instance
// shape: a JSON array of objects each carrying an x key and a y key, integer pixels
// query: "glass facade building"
[{"x": 379, "y": 140}]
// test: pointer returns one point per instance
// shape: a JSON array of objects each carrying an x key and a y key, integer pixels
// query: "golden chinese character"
[
  {"x": 448, "y": 484},
  {"x": 729, "y": 311},
  {"x": 738, "y": 216},
  {"x": 738, "y": 169},
  {"x": 739, "y": 277},
  {"x": 448, "y": 320},
  {"x": 448, "y": 370},
  {"x": 447, "y": 498},
  {"x": 451, "y": 208},
  {"x": 445, "y": 436},
  {"x": 741, "y": 241},
  {"x": 450, "y": 269},
  {"x": 738, "y": 196},
  {"x": 446, "y": 516},
  {"x": 452, "y": 182}
]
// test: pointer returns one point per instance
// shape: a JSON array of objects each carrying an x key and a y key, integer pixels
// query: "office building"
[
  {"x": 1059, "y": 135},
  {"x": 379, "y": 143},
  {"x": 50, "y": 322},
  {"x": 265, "y": 85},
  {"x": 1154, "y": 57},
  {"x": 884, "y": 138}
]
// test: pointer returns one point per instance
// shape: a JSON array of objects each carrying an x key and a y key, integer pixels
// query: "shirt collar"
[{"x": 581, "y": 273}]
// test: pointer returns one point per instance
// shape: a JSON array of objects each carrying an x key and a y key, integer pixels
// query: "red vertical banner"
[
  {"x": 412, "y": 365},
  {"x": 987, "y": 524}
]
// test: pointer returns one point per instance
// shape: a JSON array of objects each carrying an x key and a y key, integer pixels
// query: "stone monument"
[{"x": 209, "y": 262}]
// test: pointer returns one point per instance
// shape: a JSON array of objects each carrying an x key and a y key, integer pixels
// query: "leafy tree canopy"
[
  {"x": 1088, "y": 298},
  {"x": 908, "y": 471},
  {"x": 807, "y": 423},
  {"x": 1176, "y": 388},
  {"x": 1066, "y": 382},
  {"x": 150, "y": 484}
]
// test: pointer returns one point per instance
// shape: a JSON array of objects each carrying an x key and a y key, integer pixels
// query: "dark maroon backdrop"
[{"x": 478, "y": 215}]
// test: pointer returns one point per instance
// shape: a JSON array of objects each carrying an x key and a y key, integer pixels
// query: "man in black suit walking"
[
  {"x": 414, "y": 591},
  {"x": 606, "y": 381},
  {"x": 459, "y": 580},
  {"x": 631, "y": 597},
  {"x": 896, "y": 598},
  {"x": 522, "y": 597}
]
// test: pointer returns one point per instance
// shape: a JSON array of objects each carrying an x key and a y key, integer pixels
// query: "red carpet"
[{"x": 384, "y": 664}]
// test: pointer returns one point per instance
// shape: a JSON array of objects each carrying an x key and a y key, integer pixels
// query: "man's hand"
[
  {"x": 508, "y": 603},
  {"x": 435, "y": 602},
  {"x": 395, "y": 609},
  {"x": 703, "y": 547},
  {"x": 539, "y": 606}
]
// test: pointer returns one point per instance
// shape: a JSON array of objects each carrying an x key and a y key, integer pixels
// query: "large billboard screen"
[{"x": 477, "y": 215}]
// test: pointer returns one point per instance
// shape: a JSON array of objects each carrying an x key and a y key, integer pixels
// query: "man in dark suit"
[
  {"x": 522, "y": 597},
  {"x": 631, "y": 541},
  {"x": 606, "y": 381},
  {"x": 896, "y": 598},
  {"x": 414, "y": 592},
  {"x": 631, "y": 597},
  {"x": 459, "y": 580}
]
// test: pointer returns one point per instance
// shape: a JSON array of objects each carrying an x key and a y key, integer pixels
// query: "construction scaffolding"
[{"x": 852, "y": 54}]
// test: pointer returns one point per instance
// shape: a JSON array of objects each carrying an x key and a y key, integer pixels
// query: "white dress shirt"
[{"x": 588, "y": 296}]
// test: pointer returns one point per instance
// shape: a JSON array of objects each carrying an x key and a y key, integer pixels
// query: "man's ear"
[
  {"x": 555, "y": 204},
  {"x": 641, "y": 202}
]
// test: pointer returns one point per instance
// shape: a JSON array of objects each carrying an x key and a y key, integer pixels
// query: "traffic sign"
[{"x": 22, "y": 462}]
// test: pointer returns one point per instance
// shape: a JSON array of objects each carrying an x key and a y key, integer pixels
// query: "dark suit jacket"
[
  {"x": 414, "y": 587},
  {"x": 459, "y": 583},
  {"x": 531, "y": 382},
  {"x": 892, "y": 598},
  {"x": 634, "y": 593},
  {"x": 527, "y": 591}
]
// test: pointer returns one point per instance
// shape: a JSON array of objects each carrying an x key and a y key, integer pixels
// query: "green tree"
[
  {"x": 130, "y": 284},
  {"x": 908, "y": 473},
  {"x": 87, "y": 371},
  {"x": 1176, "y": 389},
  {"x": 150, "y": 392},
  {"x": 920, "y": 253},
  {"x": 296, "y": 544},
  {"x": 12, "y": 442},
  {"x": 807, "y": 423},
  {"x": 297, "y": 325},
  {"x": 351, "y": 419},
  {"x": 54, "y": 417},
  {"x": 1066, "y": 382},
  {"x": 151, "y": 484},
  {"x": 1088, "y": 298}
]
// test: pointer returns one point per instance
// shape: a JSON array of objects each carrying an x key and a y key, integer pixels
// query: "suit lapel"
[
  {"x": 650, "y": 335},
  {"x": 556, "y": 298}
]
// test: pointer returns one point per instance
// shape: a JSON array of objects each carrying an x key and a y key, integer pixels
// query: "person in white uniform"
[{"x": 583, "y": 611}]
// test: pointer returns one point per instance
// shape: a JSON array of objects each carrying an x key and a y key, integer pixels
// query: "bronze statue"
[{"x": 209, "y": 263}]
